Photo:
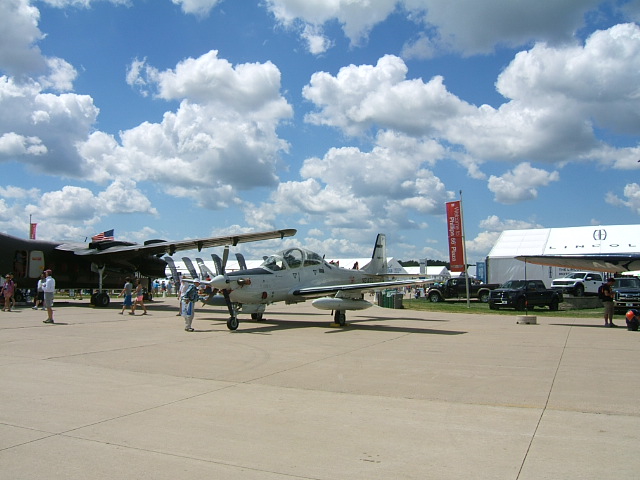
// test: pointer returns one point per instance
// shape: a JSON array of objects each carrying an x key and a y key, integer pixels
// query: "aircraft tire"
[
  {"x": 232, "y": 323},
  {"x": 340, "y": 318},
  {"x": 102, "y": 300},
  {"x": 257, "y": 317}
]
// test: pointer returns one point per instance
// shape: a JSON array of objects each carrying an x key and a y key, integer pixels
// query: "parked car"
[
  {"x": 522, "y": 294},
  {"x": 579, "y": 283},
  {"x": 627, "y": 294},
  {"x": 457, "y": 288}
]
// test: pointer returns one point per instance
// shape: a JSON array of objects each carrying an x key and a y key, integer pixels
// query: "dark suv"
[{"x": 627, "y": 294}]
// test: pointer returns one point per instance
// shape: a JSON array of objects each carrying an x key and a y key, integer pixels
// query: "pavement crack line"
[
  {"x": 67, "y": 434},
  {"x": 311, "y": 362},
  {"x": 198, "y": 459},
  {"x": 546, "y": 403}
]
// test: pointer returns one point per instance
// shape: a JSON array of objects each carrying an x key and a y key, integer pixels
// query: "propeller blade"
[
  {"x": 174, "y": 270},
  {"x": 189, "y": 264},
  {"x": 227, "y": 299},
  {"x": 204, "y": 270},
  {"x": 218, "y": 263},
  {"x": 225, "y": 257},
  {"x": 241, "y": 261}
]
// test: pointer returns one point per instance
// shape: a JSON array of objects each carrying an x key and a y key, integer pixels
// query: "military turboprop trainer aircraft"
[
  {"x": 296, "y": 275},
  {"x": 105, "y": 263}
]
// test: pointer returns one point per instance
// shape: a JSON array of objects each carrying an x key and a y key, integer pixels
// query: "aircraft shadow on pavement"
[
  {"x": 590, "y": 325},
  {"x": 152, "y": 306},
  {"x": 268, "y": 326},
  {"x": 406, "y": 318}
]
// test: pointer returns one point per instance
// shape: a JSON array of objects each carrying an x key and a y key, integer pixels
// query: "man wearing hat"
[
  {"x": 49, "y": 288},
  {"x": 189, "y": 298}
]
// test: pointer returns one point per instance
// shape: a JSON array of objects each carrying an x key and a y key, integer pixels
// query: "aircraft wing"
[
  {"x": 168, "y": 247},
  {"x": 600, "y": 263},
  {"x": 356, "y": 287}
]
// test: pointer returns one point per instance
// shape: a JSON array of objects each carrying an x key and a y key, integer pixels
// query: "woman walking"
[{"x": 139, "y": 298}]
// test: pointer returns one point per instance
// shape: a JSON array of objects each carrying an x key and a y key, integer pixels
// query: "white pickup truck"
[{"x": 579, "y": 283}]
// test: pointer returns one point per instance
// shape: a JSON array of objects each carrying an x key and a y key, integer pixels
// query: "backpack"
[
  {"x": 601, "y": 295},
  {"x": 192, "y": 293}
]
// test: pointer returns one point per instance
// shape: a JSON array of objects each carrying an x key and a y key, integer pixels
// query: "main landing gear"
[
  {"x": 340, "y": 318},
  {"x": 99, "y": 299}
]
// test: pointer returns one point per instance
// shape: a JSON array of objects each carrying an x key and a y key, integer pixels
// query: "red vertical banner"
[
  {"x": 454, "y": 227},
  {"x": 32, "y": 230}
]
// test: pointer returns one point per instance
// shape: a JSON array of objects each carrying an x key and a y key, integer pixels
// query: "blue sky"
[{"x": 177, "y": 119}]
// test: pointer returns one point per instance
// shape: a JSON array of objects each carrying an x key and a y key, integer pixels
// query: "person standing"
[
  {"x": 606, "y": 295},
  {"x": 188, "y": 303},
  {"x": 49, "y": 289},
  {"x": 182, "y": 288},
  {"x": 8, "y": 288},
  {"x": 139, "y": 298},
  {"x": 126, "y": 293},
  {"x": 39, "y": 293}
]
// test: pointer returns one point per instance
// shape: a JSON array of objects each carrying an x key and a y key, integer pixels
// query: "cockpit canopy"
[{"x": 292, "y": 258}]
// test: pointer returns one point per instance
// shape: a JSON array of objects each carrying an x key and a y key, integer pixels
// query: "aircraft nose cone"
[{"x": 219, "y": 282}]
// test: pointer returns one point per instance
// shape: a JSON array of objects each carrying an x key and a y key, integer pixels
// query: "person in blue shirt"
[{"x": 189, "y": 299}]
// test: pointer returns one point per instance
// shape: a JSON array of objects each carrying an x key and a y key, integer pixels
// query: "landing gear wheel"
[
  {"x": 100, "y": 300},
  {"x": 340, "y": 318},
  {"x": 257, "y": 317},
  {"x": 232, "y": 323}
]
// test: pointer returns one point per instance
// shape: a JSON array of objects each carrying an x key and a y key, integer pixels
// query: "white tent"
[
  {"x": 435, "y": 273},
  {"x": 605, "y": 239}
]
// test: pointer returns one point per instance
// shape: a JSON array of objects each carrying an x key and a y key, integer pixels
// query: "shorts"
[
  {"x": 608, "y": 308},
  {"x": 139, "y": 298},
  {"x": 127, "y": 300},
  {"x": 48, "y": 299}
]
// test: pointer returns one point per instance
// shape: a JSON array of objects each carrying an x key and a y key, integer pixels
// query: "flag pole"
[{"x": 464, "y": 253}]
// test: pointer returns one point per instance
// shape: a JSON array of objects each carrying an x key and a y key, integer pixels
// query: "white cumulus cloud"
[{"x": 520, "y": 184}]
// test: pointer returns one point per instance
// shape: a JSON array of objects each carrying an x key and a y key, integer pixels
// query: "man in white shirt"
[
  {"x": 49, "y": 289},
  {"x": 183, "y": 288}
]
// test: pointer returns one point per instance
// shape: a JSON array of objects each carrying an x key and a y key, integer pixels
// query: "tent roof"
[{"x": 600, "y": 239}]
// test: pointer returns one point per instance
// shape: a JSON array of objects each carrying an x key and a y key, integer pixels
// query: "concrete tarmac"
[{"x": 397, "y": 394}]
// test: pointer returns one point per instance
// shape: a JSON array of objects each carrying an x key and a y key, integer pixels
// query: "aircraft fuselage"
[
  {"x": 26, "y": 259},
  {"x": 263, "y": 286}
]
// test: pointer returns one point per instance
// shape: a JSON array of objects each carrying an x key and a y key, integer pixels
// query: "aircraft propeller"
[{"x": 232, "y": 323}]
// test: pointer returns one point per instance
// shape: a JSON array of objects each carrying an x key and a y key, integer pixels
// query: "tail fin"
[{"x": 378, "y": 264}]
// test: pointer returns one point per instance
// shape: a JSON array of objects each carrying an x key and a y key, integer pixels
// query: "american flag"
[{"x": 108, "y": 235}]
